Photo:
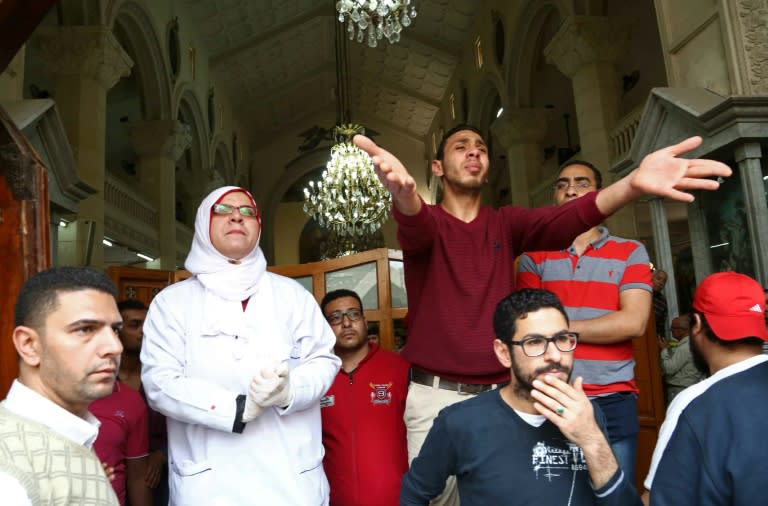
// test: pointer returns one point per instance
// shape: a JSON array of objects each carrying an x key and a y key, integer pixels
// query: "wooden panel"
[
  {"x": 13, "y": 277},
  {"x": 24, "y": 232},
  {"x": 650, "y": 404},
  {"x": 385, "y": 314},
  {"x": 144, "y": 284},
  {"x": 139, "y": 284}
]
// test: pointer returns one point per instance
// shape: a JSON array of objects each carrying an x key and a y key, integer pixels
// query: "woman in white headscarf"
[{"x": 237, "y": 358}]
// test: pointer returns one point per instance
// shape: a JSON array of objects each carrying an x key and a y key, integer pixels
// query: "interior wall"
[{"x": 693, "y": 44}]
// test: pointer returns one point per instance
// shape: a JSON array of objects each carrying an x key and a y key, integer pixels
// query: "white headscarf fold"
[{"x": 230, "y": 281}]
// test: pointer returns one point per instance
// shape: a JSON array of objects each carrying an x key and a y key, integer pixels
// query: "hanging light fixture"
[
  {"x": 380, "y": 18},
  {"x": 349, "y": 200}
]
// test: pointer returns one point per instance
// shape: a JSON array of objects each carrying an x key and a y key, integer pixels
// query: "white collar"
[{"x": 24, "y": 401}]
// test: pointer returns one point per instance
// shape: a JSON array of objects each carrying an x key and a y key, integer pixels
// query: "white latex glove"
[
  {"x": 272, "y": 387},
  {"x": 252, "y": 410}
]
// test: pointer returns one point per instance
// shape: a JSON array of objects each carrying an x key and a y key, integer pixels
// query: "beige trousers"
[{"x": 421, "y": 408}]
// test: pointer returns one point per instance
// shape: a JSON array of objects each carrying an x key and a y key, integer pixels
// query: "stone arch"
[
  {"x": 131, "y": 20},
  {"x": 523, "y": 45},
  {"x": 82, "y": 12},
  {"x": 534, "y": 83},
  {"x": 187, "y": 106},
  {"x": 192, "y": 168},
  {"x": 222, "y": 162},
  {"x": 294, "y": 171},
  {"x": 488, "y": 99},
  {"x": 484, "y": 101}
]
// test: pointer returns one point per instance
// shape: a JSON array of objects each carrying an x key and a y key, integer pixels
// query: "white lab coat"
[{"x": 193, "y": 371}]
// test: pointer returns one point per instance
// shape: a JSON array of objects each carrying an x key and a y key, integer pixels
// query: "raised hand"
[
  {"x": 567, "y": 407},
  {"x": 662, "y": 173},
  {"x": 393, "y": 175}
]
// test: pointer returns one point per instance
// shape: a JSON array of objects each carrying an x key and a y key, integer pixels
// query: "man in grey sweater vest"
[{"x": 66, "y": 323}]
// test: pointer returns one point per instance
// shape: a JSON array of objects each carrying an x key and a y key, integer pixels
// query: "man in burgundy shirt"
[
  {"x": 459, "y": 259},
  {"x": 123, "y": 442}
]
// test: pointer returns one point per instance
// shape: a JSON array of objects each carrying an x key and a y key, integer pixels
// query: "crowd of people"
[{"x": 515, "y": 386}]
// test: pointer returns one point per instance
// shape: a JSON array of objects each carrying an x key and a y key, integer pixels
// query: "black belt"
[{"x": 424, "y": 378}]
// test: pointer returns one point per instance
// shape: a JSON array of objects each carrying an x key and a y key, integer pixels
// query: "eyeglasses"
[
  {"x": 563, "y": 184},
  {"x": 337, "y": 317},
  {"x": 245, "y": 211},
  {"x": 535, "y": 346}
]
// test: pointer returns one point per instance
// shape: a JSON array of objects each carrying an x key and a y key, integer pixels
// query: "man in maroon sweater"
[{"x": 459, "y": 259}]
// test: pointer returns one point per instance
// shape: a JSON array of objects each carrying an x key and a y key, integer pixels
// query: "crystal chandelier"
[
  {"x": 381, "y": 18},
  {"x": 349, "y": 200}
]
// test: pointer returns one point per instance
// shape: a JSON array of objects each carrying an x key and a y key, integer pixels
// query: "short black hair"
[
  {"x": 458, "y": 128},
  {"x": 595, "y": 172},
  {"x": 127, "y": 304},
  {"x": 517, "y": 305},
  {"x": 686, "y": 320},
  {"x": 39, "y": 296},
  {"x": 337, "y": 294}
]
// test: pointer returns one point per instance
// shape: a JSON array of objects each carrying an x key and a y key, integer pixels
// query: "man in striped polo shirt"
[{"x": 604, "y": 283}]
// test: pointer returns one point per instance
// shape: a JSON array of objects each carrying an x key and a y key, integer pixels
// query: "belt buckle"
[{"x": 460, "y": 391}]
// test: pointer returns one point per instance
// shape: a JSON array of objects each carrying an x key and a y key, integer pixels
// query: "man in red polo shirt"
[
  {"x": 122, "y": 442},
  {"x": 604, "y": 282}
]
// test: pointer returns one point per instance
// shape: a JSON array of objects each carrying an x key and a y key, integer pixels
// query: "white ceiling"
[{"x": 278, "y": 55}]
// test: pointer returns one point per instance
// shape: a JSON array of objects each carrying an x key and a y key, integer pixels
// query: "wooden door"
[
  {"x": 651, "y": 406},
  {"x": 24, "y": 232},
  {"x": 24, "y": 216}
]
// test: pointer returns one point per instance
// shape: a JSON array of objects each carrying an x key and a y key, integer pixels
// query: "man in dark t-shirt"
[{"x": 538, "y": 439}]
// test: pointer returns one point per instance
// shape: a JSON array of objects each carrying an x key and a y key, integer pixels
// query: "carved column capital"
[
  {"x": 582, "y": 40},
  {"x": 753, "y": 18},
  {"x": 520, "y": 126},
  {"x": 91, "y": 51},
  {"x": 163, "y": 138}
]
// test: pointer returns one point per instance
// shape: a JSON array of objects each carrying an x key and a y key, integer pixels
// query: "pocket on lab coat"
[{"x": 190, "y": 482}]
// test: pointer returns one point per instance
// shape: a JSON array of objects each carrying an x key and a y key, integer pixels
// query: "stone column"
[
  {"x": 697, "y": 228},
  {"x": 748, "y": 157},
  {"x": 664, "y": 254},
  {"x": 159, "y": 144},
  {"x": 585, "y": 50},
  {"x": 521, "y": 133},
  {"x": 86, "y": 61}
]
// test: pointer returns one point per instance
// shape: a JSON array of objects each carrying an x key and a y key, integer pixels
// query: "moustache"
[{"x": 552, "y": 368}]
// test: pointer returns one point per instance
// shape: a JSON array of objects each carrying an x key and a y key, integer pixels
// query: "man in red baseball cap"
[{"x": 713, "y": 434}]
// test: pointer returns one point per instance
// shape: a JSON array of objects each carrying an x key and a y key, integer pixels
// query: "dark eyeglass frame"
[
  {"x": 226, "y": 209},
  {"x": 525, "y": 343},
  {"x": 337, "y": 317},
  {"x": 581, "y": 184}
]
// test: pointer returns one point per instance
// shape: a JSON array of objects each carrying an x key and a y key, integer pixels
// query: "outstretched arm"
[
  {"x": 662, "y": 173},
  {"x": 393, "y": 175}
]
